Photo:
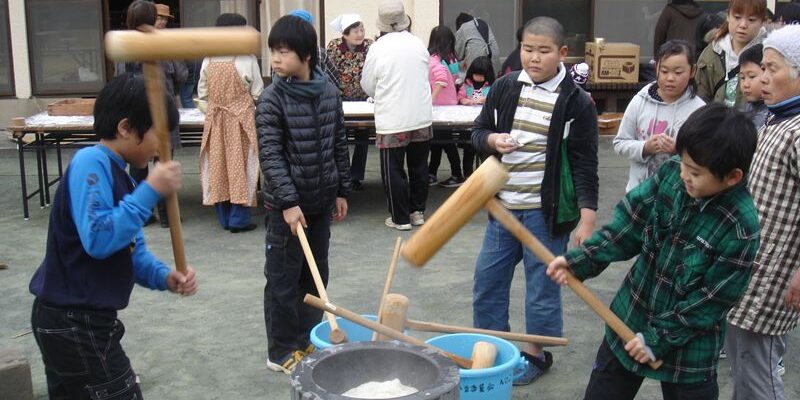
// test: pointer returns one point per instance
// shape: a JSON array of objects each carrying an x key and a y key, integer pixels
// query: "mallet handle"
[
  {"x": 543, "y": 253},
  {"x": 156, "y": 99},
  {"x": 518, "y": 337},
  {"x": 312, "y": 265},
  {"x": 181, "y": 44},
  {"x": 315, "y": 301},
  {"x": 388, "y": 284}
]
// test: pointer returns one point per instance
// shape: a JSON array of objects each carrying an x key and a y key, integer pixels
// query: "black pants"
[
  {"x": 139, "y": 175},
  {"x": 82, "y": 355},
  {"x": 405, "y": 193},
  {"x": 359, "y": 164},
  {"x": 611, "y": 381},
  {"x": 468, "y": 159},
  {"x": 452, "y": 156},
  {"x": 288, "y": 320}
]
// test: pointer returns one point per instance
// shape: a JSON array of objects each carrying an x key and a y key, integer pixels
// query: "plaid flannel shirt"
[
  {"x": 695, "y": 260},
  {"x": 775, "y": 184}
]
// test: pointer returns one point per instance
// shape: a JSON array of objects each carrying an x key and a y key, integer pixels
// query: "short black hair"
[
  {"x": 482, "y": 65},
  {"x": 718, "y": 138},
  {"x": 231, "y": 19},
  {"x": 139, "y": 13},
  {"x": 125, "y": 97},
  {"x": 753, "y": 55},
  {"x": 352, "y": 26},
  {"x": 676, "y": 47},
  {"x": 297, "y": 35},
  {"x": 463, "y": 18},
  {"x": 546, "y": 26}
]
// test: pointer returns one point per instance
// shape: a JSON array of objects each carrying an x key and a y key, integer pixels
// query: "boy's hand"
[
  {"x": 586, "y": 227},
  {"x": 557, "y": 270},
  {"x": 292, "y": 216},
  {"x": 502, "y": 142},
  {"x": 165, "y": 177},
  {"x": 341, "y": 209},
  {"x": 185, "y": 285},
  {"x": 793, "y": 294},
  {"x": 637, "y": 349}
]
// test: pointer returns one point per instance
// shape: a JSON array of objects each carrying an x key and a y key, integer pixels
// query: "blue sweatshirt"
[{"x": 98, "y": 208}]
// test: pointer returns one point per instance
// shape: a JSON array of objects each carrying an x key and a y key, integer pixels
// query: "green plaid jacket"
[{"x": 695, "y": 261}]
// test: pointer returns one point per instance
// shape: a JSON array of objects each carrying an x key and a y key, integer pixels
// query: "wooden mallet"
[
  {"x": 477, "y": 192},
  {"x": 394, "y": 313},
  {"x": 174, "y": 44},
  {"x": 424, "y": 326},
  {"x": 337, "y": 335},
  {"x": 315, "y": 301}
]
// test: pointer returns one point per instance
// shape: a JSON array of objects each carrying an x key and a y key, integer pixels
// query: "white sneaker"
[
  {"x": 417, "y": 218},
  {"x": 399, "y": 227}
]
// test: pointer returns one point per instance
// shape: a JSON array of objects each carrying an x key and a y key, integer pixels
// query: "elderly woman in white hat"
[
  {"x": 395, "y": 75},
  {"x": 347, "y": 53}
]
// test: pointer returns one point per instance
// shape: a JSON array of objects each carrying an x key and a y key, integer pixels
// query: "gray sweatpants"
[{"x": 753, "y": 359}]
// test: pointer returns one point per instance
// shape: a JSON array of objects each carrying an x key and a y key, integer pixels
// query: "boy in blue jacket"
[{"x": 96, "y": 249}]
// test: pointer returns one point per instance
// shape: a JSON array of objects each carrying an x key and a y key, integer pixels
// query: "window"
[
  {"x": 632, "y": 21},
  {"x": 6, "y": 67},
  {"x": 65, "y": 45},
  {"x": 198, "y": 13},
  {"x": 574, "y": 15},
  {"x": 500, "y": 15}
]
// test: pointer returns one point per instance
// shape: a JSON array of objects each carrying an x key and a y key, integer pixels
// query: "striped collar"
[{"x": 551, "y": 85}]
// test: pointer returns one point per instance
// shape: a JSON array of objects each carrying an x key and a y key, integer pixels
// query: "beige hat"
[
  {"x": 162, "y": 10},
  {"x": 392, "y": 16}
]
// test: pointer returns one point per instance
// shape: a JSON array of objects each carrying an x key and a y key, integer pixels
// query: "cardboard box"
[
  {"x": 71, "y": 107},
  {"x": 613, "y": 62},
  {"x": 608, "y": 123}
]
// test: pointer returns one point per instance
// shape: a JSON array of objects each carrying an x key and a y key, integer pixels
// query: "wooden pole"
[{"x": 517, "y": 337}]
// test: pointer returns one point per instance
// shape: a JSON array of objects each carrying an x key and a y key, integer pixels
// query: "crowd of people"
[{"x": 710, "y": 210}]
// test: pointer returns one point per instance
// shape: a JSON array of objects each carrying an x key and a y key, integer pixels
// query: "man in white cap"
[
  {"x": 769, "y": 308},
  {"x": 395, "y": 75}
]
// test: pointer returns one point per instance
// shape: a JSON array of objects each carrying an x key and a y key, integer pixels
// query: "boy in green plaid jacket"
[{"x": 695, "y": 229}]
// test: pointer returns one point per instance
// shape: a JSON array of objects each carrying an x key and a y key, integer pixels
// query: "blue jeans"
[
  {"x": 232, "y": 215},
  {"x": 494, "y": 270}
]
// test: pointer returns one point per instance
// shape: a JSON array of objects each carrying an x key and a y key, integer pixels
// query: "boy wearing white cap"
[{"x": 771, "y": 305}]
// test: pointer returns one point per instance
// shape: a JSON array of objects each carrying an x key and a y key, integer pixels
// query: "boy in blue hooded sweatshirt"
[
  {"x": 96, "y": 249},
  {"x": 305, "y": 161}
]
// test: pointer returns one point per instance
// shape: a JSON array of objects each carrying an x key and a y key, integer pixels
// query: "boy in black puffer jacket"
[{"x": 305, "y": 162}]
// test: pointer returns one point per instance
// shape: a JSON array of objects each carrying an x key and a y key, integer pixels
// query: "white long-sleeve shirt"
[{"x": 395, "y": 75}]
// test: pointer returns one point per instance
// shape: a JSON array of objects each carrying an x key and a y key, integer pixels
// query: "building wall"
[{"x": 19, "y": 49}]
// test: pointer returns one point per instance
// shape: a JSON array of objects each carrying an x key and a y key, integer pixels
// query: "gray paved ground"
[{"x": 212, "y": 346}]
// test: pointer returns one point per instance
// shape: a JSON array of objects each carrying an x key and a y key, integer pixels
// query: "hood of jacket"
[
  {"x": 302, "y": 90},
  {"x": 690, "y": 11}
]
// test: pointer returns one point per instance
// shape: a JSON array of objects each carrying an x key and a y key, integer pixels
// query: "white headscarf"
[{"x": 343, "y": 21}]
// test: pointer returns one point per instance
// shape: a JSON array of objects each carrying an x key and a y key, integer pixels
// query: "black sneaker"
[
  {"x": 242, "y": 228},
  {"x": 451, "y": 182},
  {"x": 432, "y": 180}
]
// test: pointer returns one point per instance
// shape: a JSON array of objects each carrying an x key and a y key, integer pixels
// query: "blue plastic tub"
[
  {"x": 354, "y": 332},
  {"x": 489, "y": 383}
]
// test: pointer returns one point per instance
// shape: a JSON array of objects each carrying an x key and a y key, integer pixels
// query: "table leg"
[
  {"x": 38, "y": 147},
  {"x": 45, "y": 174},
  {"x": 23, "y": 179},
  {"x": 60, "y": 166}
]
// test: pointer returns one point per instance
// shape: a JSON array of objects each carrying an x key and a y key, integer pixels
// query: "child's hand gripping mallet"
[
  {"x": 477, "y": 192},
  {"x": 174, "y": 44},
  {"x": 337, "y": 336}
]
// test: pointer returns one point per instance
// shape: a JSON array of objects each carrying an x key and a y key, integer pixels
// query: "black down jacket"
[{"x": 302, "y": 150}]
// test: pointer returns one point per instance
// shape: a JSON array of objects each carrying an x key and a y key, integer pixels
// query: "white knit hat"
[
  {"x": 785, "y": 41},
  {"x": 392, "y": 16},
  {"x": 343, "y": 21}
]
